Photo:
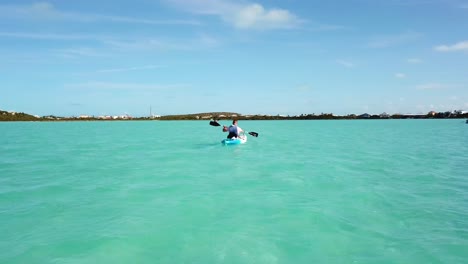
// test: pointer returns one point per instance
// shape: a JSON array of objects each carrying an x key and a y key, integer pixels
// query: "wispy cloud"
[
  {"x": 256, "y": 16},
  {"x": 47, "y": 11},
  {"x": 94, "y": 85},
  {"x": 79, "y": 52},
  {"x": 431, "y": 86},
  {"x": 144, "y": 21},
  {"x": 46, "y": 36},
  {"x": 153, "y": 44},
  {"x": 386, "y": 41},
  {"x": 127, "y": 69},
  {"x": 346, "y": 64},
  {"x": 39, "y": 10},
  {"x": 118, "y": 43},
  {"x": 304, "y": 88},
  {"x": 206, "y": 41},
  {"x": 146, "y": 45},
  {"x": 449, "y": 3},
  {"x": 400, "y": 75},
  {"x": 414, "y": 60},
  {"x": 438, "y": 86},
  {"x": 325, "y": 27},
  {"x": 460, "y": 46},
  {"x": 242, "y": 15}
]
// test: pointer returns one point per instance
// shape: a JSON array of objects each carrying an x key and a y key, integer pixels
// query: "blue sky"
[{"x": 253, "y": 57}]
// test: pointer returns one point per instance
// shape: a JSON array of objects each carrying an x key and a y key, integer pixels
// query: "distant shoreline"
[{"x": 14, "y": 116}]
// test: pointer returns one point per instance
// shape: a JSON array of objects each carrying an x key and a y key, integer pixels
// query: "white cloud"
[
  {"x": 241, "y": 15},
  {"x": 414, "y": 60},
  {"x": 386, "y": 41},
  {"x": 346, "y": 64},
  {"x": 400, "y": 75},
  {"x": 460, "y": 46},
  {"x": 255, "y": 16}
]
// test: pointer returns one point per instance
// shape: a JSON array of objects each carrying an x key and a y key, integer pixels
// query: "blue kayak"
[{"x": 234, "y": 141}]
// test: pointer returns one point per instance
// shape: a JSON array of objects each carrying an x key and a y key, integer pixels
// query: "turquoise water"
[{"x": 383, "y": 191}]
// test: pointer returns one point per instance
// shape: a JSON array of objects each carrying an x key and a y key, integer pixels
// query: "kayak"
[{"x": 234, "y": 141}]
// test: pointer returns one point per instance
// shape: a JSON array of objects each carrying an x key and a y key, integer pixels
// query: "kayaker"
[{"x": 234, "y": 130}]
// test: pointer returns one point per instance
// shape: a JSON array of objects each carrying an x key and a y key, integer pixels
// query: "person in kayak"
[{"x": 234, "y": 130}]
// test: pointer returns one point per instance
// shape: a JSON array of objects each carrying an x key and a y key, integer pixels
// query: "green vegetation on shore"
[{"x": 15, "y": 116}]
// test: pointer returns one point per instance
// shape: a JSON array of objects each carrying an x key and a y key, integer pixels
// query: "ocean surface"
[{"x": 363, "y": 191}]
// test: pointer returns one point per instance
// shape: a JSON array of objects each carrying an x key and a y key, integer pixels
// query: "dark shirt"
[{"x": 232, "y": 131}]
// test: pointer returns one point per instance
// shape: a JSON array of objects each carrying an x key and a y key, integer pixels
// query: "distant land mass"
[{"x": 20, "y": 116}]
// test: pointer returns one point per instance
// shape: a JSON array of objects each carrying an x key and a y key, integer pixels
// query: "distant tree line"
[
  {"x": 9, "y": 116},
  {"x": 15, "y": 116}
]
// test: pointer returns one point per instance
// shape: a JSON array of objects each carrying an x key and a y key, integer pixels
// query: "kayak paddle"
[{"x": 214, "y": 123}]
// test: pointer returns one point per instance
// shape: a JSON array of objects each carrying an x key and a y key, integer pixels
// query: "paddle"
[{"x": 214, "y": 123}]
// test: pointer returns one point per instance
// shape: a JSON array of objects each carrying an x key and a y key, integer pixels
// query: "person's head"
[
  {"x": 225, "y": 129},
  {"x": 234, "y": 122}
]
